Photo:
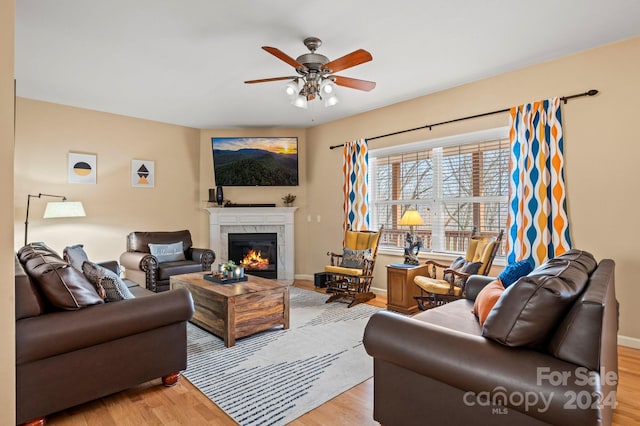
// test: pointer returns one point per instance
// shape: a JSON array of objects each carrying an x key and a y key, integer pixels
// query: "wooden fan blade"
[
  {"x": 265, "y": 80},
  {"x": 352, "y": 59},
  {"x": 284, "y": 57},
  {"x": 354, "y": 83}
]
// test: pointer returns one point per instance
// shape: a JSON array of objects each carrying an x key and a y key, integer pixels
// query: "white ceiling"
[{"x": 185, "y": 61}]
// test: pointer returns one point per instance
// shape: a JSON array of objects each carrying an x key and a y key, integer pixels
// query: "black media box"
[{"x": 320, "y": 279}]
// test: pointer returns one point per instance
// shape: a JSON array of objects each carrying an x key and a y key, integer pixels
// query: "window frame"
[{"x": 424, "y": 145}]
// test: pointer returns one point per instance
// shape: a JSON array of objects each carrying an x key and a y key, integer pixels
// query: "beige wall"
[
  {"x": 7, "y": 313},
  {"x": 601, "y": 153},
  {"x": 46, "y": 133}
]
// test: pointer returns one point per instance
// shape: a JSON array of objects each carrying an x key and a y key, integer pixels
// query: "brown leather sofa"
[
  {"x": 440, "y": 367},
  {"x": 90, "y": 349},
  {"x": 141, "y": 267}
]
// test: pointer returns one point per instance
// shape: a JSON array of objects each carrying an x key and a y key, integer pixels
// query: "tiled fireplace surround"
[{"x": 225, "y": 220}]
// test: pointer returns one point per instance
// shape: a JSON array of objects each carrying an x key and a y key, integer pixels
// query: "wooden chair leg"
[{"x": 361, "y": 298}]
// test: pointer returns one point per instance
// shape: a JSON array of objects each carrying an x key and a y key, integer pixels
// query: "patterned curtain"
[
  {"x": 538, "y": 225},
  {"x": 355, "y": 188}
]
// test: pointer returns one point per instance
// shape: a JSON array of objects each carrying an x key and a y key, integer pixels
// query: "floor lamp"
[{"x": 61, "y": 208}]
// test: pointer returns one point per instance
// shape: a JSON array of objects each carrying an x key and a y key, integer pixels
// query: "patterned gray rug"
[{"x": 275, "y": 376}]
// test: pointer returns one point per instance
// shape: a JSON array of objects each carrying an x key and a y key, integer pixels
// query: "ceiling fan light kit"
[{"x": 315, "y": 77}]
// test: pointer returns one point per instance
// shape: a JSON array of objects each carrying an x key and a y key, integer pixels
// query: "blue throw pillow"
[{"x": 515, "y": 271}]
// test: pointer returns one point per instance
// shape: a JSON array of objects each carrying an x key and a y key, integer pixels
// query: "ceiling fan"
[{"x": 315, "y": 74}]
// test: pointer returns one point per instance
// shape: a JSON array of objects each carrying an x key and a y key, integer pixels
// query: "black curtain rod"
[{"x": 564, "y": 99}]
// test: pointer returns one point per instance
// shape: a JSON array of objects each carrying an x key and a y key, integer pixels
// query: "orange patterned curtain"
[
  {"x": 538, "y": 224},
  {"x": 356, "y": 186}
]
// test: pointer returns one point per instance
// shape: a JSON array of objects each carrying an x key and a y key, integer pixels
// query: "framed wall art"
[
  {"x": 143, "y": 173},
  {"x": 82, "y": 168}
]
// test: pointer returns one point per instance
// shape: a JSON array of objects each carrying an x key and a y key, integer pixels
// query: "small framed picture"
[
  {"x": 143, "y": 174},
  {"x": 82, "y": 168}
]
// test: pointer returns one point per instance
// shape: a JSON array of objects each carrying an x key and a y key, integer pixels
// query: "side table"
[{"x": 401, "y": 288}]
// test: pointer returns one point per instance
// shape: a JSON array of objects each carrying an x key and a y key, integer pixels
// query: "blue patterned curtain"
[
  {"x": 538, "y": 224},
  {"x": 355, "y": 188}
]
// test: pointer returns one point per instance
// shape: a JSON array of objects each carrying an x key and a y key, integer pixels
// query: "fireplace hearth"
[{"x": 256, "y": 252}]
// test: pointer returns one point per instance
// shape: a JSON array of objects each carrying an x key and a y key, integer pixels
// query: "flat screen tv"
[{"x": 255, "y": 161}]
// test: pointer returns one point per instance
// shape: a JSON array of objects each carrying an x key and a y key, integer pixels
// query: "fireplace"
[
  {"x": 247, "y": 220},
  {"x": 257, "y": 252}
]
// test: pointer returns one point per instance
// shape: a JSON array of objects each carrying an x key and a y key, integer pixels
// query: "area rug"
[{"x": 275, "y": 376}]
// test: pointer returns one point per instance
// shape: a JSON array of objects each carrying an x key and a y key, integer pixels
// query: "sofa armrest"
[
  {"x": 65, "y": 331},
  {"x": 474, "y": 284},
  {"x": 475, "y": 364},
  {"x": 204, "y": 256},
  {"x": 137, "y": 260}
]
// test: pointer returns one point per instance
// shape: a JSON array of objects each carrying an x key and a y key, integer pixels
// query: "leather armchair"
[{"x": 144, "y": 268}]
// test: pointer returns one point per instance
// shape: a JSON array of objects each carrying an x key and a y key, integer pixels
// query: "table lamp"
[{"x": 412, "y": 218}]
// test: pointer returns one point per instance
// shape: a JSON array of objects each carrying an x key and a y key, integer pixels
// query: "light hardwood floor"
[{"x": 153, "y": 404}]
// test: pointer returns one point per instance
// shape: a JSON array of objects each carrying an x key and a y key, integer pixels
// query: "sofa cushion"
[
  {"x": 514, "y": 271},
  {"x": 579, "y": 336},
  {"x": 167, "y": 252},
  {"x": 32, "y": 250},
  {"x": 486, "y": 300},
  {"x": 106, "y": 281},
  {"x": 167, "y": 269},
  {"x": 75, "y": 256},
  {"x": 453, "y": 316},
  {"x": 528, "y": 312},
  {"x": 62, "y": 285},
  {"x": 29, "y": 303}
]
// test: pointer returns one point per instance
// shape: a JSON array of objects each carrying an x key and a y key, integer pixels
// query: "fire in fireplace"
[{"x": 257, "y": 252}]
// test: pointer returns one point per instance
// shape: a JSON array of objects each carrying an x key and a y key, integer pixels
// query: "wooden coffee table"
[{"x": 232, "y": 311}]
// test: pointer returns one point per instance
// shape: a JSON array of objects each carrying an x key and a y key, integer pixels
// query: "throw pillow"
[
  {"x": 75, "y": 255},
  {"x": 529, "y": 312},
  {"x": 486, "y": 299},
  {"x": 514, "y": 271},
  {"x": 108, "y": 284},
  {"x": 354, "y": 258},
  {"x": 62, "y": 285},
  {"x": 455, "y": 265},
  {"x": 467, "y": 268},
  {"x": 167, "y": 252}
]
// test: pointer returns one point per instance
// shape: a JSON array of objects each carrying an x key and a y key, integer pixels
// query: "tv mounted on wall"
[{"x": 255, "y": 161}]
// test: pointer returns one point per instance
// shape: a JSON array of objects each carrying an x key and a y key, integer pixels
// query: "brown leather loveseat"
[
  {"x": 547, "y": 353},
  {"x": 73, "y": 347},
  {"x": 152, "y": 271}
]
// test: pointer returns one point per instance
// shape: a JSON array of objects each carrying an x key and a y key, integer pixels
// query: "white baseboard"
[
  {"x": 303, "y": 277},
  {"x": 631, "y": 342},
  {"x": 378, "y": 291}
]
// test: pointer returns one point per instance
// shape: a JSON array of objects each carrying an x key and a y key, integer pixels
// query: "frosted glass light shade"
[{"x": 64, "y": 209}]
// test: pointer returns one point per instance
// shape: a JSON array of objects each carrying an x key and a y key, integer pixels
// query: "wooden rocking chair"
[
  {"x": 351, "y": 272},
  {"x": 481, "y": 250}
]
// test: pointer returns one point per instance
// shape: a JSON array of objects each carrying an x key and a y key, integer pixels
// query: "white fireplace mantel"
[{"x": 279, "y": 220}]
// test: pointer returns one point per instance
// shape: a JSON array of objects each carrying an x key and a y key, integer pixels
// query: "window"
[{"x": 458, "y": 184}]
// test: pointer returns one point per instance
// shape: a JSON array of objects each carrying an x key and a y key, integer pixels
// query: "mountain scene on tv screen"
[{"x": 256, "y": 166}]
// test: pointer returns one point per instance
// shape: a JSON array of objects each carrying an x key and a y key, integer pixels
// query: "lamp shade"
[
  {"x": 64, "y": 209},
  {"x": 411, "y": 217}
]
